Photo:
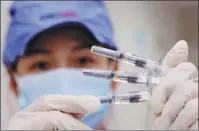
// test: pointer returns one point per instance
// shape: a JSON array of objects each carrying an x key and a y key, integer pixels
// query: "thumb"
[{"x": 177, "y": 54}]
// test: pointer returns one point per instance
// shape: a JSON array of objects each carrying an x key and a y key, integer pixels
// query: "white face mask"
[{"x": 64, "y": 81}]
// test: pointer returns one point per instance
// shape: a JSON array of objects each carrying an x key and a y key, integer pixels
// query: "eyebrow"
[
  {"x": 36, "y": 51},
  {"x": 81, "y": 46}
]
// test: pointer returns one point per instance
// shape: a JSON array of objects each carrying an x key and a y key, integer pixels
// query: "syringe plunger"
[{"x": 126, "y": 98}]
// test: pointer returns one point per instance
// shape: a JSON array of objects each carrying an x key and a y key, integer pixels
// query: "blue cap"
[{"x": 28, "y": 18}]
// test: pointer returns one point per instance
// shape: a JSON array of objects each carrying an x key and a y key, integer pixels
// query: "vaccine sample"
[
  {"x": 126, "y": 98},
  {"x": 127, "y": 58},
  {"x": 122, "y": 76}
]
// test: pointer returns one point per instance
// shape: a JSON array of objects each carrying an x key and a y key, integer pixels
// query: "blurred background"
[{"x": 146, "y": 28}]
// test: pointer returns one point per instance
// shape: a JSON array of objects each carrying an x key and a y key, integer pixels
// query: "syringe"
[
  {"x": 128, "y": 58},
  {"x": 126, "y": 98},
  {"x": 122, "y": 76}
]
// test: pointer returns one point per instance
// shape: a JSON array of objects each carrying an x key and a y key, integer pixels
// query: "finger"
[
  {"x": 185, "y": 92},
  {"x": 194, "y": 126},
  {"x": 28, "y": 121},
  {"x": 52, "y": 120},
  {"x": 187, "y": 116},
  {"x": 66, "y": 122},
  {"x": 182, "y": 72},
  {"x": 177, "y": 54},
  {"x": 66, "y": 103}
]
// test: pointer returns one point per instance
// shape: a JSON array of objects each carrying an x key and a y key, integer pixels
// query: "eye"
[
  {"x": 41, "y": 65},
  {"x": 85, "y": 60}
]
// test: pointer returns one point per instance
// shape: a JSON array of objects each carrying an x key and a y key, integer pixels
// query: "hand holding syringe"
[{"x": 153, "y": 77}]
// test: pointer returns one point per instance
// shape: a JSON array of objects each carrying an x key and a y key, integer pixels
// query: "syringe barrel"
[
  {"x": 131, "y": 77},
  {"x": 139, "y": 61},
  {"x": 135, "y": 78},
  {"x": 126, "y": 98},
  {"x": 121, "y": 76},
  {"x": 142, "y": 95}
]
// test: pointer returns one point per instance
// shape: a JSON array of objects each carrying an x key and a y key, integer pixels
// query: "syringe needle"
[{"x": 99, "y": 73}]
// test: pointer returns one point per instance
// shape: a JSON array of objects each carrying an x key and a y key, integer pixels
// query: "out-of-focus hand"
[
  {"x": 174, "y": 102},
  {"x": 55, "y": 112}
]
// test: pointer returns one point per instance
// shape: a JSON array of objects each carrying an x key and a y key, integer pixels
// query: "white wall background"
[{"x": 161, "y": 25}]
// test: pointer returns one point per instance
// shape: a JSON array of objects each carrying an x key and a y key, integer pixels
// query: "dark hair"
[{"x": 71, "y": 30}]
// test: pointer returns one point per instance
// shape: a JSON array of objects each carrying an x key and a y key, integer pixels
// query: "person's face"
[{"x": 61, "y": 52}]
